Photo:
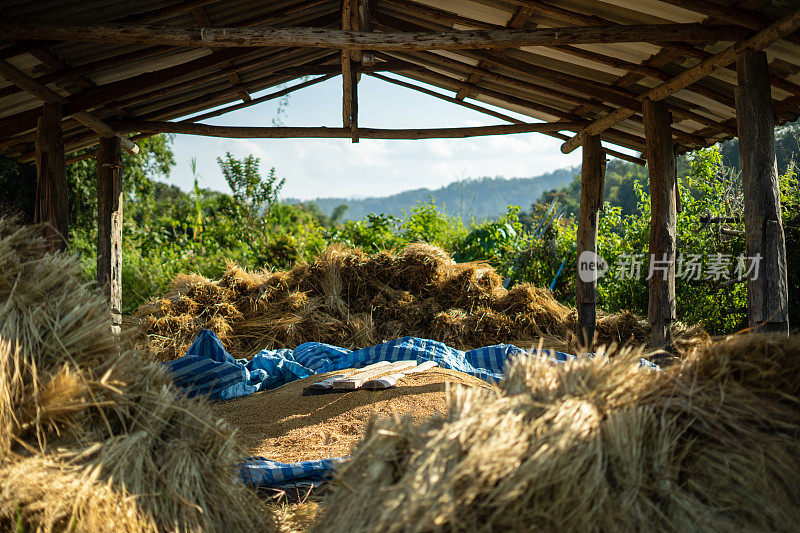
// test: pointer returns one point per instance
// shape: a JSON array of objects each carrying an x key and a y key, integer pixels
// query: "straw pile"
[
  {"x": 711, "y": 444},
  {"x": 349, "y": 299},
  {"x": 92, "y": 437},
  {"x": 283, "y": 425}
]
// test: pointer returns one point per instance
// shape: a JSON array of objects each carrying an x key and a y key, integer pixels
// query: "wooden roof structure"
[
  {"x": 130, "y": 66},
  {"x": 655, "y": 76}
]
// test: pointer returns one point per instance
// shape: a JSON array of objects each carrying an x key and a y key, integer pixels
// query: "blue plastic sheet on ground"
[
  {"x": 263, "y": 472},
  {"x": 208, "y": 369}
]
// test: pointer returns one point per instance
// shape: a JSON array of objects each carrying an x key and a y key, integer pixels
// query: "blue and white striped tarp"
[
  {"x": 208, "y": 369},
  {"x": 262, "y": 472}
]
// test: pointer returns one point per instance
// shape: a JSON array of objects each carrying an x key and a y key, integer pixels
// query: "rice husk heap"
[
  {"x": 93, "y": 437},
  {"x": 284, "y": 425},
  {"x": 710, "y": 444},
  {"x": 350, "y": 299}
]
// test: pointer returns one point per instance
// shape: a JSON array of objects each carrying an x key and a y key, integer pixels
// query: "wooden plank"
[
  {"x": 355, "y": 40},
  {"x": 109, "y": 226},
  {"x": 51, "y": 206},
  {"x": 355, "y": 381},
  {"x": 254, "y": 132},
  {"x": 592, "y": 176},
  {"x": 325, "y": 384},
  {"x": 663, "y": 184},
  {"x": 729, "y": 14},
  {"x": 767, "y": 294},
  {"x": 386, "y": 382},
  {"x": 689, "y": 76}
]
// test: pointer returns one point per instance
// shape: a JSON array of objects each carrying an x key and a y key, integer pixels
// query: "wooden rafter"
[
  {"x": 496, "y": 114},
  {"x": 527, "y": 102},
  {"x": 759, "y": 41},
  {"x": 584, "y": 93},
  {"x": 47, "y": 95},
  {"x": 241, "y": 37},
  {"x": 729, "y": 15}
]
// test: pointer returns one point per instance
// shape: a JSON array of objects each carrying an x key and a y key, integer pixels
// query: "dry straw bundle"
[
  {"x": 711, "y": 444},
  {"x": 353, "y": 300},
  {"x": 92, "y": 437}
]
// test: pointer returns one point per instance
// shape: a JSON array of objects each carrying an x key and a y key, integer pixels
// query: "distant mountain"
[{"x": 476, "y": 198}]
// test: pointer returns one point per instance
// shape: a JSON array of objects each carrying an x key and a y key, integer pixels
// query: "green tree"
[{"x": 250, "y": 189}]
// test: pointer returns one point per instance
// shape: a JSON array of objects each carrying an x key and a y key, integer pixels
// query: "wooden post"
[
  {"x": 767, "y": 292},
  {"x": 51, "y": 178},
  {"x": 592, "y": 176},
  {"x": 109, "y": 225},
  {"x": 663, "y": 202}
]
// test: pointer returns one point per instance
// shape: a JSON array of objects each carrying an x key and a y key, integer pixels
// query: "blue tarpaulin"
[{"x": 208, "y": 369}]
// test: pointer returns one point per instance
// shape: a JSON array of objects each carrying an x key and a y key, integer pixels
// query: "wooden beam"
[
  {"x": 759, "y": 41},
  {"x": 349, "y": 72},
  {"x": 592, "y": 177},
  {"x": 14, "y": 75},
  {"x": 493, "y": 113},
  {"x": 51, "y": 205},
  {"x": 254, "y": 132},
  {"x": 767, "y": 292},
  {"x": 260, "y": 99},
  {"x": 365, "y": 25},
  {"x": 326, "y": 38},
  {"x": 663, "y": 216},
  {"x": 109, "y": 226},
  {"x": 430, "y": 76},
  {"x": 729, "y": 15}
]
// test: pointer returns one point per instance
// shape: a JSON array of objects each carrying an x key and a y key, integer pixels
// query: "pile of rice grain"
[
  {"x": 711, "y": 444},
  {"x": 350, "y": 299},
  {"x": 92, "y": 436},
  {"x": 283, "y": 425}
]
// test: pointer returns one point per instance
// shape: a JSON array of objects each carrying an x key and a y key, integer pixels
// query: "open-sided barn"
[{"x": 656, "y": 76}]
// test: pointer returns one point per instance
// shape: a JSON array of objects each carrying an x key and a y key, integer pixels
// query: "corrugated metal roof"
[{"x": 547, "y": 83}]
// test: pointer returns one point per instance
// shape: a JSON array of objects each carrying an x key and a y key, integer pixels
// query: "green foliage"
[
  {"x": 496, "y": 241},
  {"x": 167, "y": 232}
]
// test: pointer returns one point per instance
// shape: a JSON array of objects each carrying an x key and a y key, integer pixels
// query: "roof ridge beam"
[{"x": 236, "y": 37}]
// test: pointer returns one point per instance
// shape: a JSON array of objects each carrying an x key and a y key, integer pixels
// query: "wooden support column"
[
  {"x": 663, "y": 201},
  {"x": 592, "y": 176},
  {"x": 767, "y": 292},
  {"x": 109, "y": 225},
  {"x": 350, "y": 64},
  {"x": 51, "y": 178}
]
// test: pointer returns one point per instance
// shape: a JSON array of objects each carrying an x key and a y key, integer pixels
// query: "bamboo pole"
[{"x": 759, "y": 41}]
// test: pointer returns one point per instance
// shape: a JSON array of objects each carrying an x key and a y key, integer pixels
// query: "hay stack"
[
  {"x": 92, "y": 437},
  {"x": 353, "y": 300},
  {"x": 712, "y": 444}
]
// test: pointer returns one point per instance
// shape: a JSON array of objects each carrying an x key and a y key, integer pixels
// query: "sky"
[{"x": 322, "y": 168}]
